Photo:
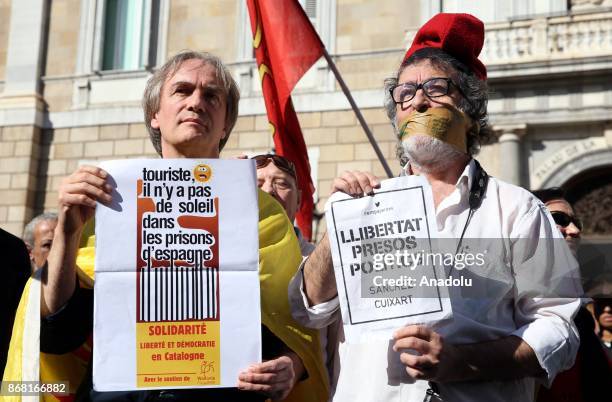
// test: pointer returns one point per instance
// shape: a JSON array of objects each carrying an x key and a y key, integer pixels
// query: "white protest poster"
[
  {"x": 176, "y": 284},
  {"x": 381, "y": 246}
]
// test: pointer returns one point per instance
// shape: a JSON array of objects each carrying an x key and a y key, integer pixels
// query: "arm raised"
[{"x": 78, "y": 194}]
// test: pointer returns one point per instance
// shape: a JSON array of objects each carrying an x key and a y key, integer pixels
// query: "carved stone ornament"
[
  {"x": 586, "y": 4},
  {"x": 595, "y": 210}
]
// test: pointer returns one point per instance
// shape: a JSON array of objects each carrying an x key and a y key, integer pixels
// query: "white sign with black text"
[{"x": 381, "y": 248}]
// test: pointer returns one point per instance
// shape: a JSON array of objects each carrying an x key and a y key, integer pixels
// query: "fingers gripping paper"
[
  {"x": 169, "y": 267},
  {"x": 378, "y": 243}
]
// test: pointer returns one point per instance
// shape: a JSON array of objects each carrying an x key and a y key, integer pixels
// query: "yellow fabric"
[
  {"x": 53, "y": 368},
  {"x": 12, "y": 371},
  {"x": 279, "y": 257},
  {"x": 86, "y": 256}
]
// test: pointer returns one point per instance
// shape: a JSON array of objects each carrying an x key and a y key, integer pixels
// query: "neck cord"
[{"x": 477, "y": 192}]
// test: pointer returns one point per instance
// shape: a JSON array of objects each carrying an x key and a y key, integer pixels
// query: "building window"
[
  {"x": 310, "y": 6},
  {"x": 120, "y": 41},
  {"x": 128, "y": 39},
  {"x": 322, "y": 15}
]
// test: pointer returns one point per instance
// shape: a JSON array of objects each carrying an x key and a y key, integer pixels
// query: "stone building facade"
[{"x": 72, "y": 74}]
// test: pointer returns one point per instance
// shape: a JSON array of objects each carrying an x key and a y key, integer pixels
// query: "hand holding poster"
[
  {"x": 169, "y": 267},
  {"x": 379, "y": 248}
]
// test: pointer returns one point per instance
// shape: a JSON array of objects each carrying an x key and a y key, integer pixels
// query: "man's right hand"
[
  {"x": 273, "y": 378},
  {"x": 78, "y": 194},
  {"x": 355, "y": 183},
  {"x": 319, "y": 279}
]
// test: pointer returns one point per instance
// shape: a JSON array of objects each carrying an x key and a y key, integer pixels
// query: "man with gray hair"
[
  {"x": 503, "y": 335},
  {"x": 223, "y": 93},
  {"x": 190, "y": 107},
  {"x": 38, "y": 237}
]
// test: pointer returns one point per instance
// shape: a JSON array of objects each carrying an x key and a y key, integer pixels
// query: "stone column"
[
  {"x": 608, "y": 134},
  {"x": 22, "y": 111},
  {"x": 511, "y": 158}
]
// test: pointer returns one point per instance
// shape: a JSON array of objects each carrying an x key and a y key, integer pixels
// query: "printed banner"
[
  {"x": 176, "y": 286},
  {"x": 381, "y": 246}
]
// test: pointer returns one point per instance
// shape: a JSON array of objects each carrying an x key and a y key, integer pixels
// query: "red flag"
[{"x": 286, "y": 46}]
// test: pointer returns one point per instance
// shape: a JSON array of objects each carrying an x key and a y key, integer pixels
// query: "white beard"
[{"x": 430, "y": 154}]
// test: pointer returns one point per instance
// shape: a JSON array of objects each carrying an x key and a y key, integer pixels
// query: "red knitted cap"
[{"x": 460, "y": 35}]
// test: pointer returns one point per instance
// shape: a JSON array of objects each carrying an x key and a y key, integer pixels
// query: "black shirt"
[{"x": 15, "y": 273}]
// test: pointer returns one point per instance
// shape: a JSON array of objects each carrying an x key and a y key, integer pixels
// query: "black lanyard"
[
  {"x": 478, "y": 189},
  {"x": 477, "y": 193}
]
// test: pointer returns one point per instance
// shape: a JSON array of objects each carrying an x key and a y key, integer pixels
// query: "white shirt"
[
  {"x": 328, "y": 334},
  {"x": 373, "y": 372}
]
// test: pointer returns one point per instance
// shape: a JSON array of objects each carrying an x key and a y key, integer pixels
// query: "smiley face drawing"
[{"x": 202, "y": 173}]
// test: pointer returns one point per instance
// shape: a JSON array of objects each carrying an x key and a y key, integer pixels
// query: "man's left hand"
[
  {"x": 274, "y": 378},
  {"x": 434, "y": 359}
]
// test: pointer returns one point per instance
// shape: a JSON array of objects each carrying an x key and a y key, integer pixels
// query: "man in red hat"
[{"x": 497, "y": 343}]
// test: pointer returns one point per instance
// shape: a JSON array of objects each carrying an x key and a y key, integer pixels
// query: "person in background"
[
  {"x": 587, "y": 379},
  {"x": 15, "y": 274},
  {"x": 38, "y": 237},
  {"x": 277, "y": 176},
  {"x": 563, "y": 214},
  {"x": 603, "y": 314}
]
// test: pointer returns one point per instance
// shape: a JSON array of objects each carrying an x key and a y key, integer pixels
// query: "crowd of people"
[{"x": 512, "y": 345}]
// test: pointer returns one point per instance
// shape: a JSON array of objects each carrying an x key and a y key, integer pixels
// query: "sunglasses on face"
[
  {"x": 562, "y": 219},
  {"x": 284, "y": 164}
]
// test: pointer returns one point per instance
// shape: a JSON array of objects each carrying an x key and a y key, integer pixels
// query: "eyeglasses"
[
  {"x": 562, "y": 219},
  {"x": 433, "y": 88},
  {"x": 284, "y": 164}
]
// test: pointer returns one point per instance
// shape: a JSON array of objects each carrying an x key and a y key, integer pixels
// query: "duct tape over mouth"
[{"x": 446, "y": 124}]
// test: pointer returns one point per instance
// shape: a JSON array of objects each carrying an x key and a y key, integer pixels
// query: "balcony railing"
[
  {"x": 546, "y": 39},
  {"x": 567, "y": 37}
]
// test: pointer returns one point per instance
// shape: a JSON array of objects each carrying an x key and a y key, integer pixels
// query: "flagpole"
[{"x": 362, "y": 121}]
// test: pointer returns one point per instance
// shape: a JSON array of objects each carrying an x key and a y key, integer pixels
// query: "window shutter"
[{"x": 310, "y": 7}]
